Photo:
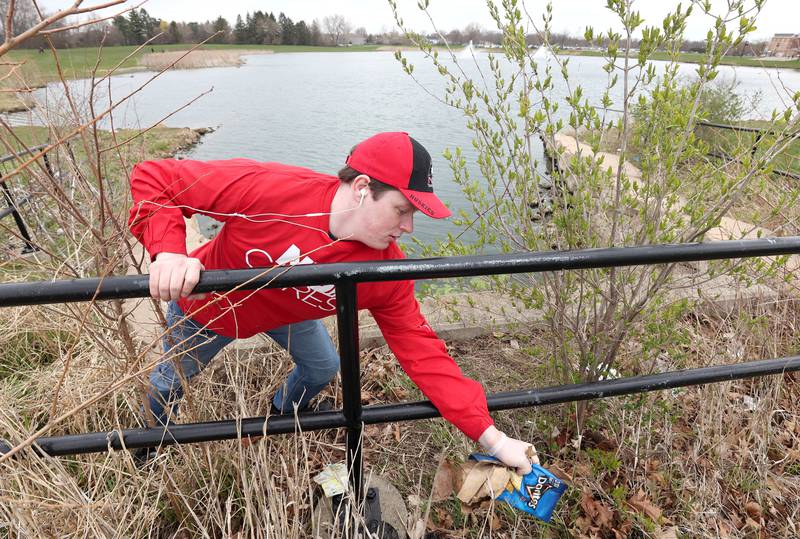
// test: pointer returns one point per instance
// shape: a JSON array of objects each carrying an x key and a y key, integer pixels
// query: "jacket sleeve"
[
  {"x": 166, "y": 191},
  {"x": 424, "y": 358}
]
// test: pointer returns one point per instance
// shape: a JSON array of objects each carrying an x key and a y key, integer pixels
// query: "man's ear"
[{"x": 360, "y": 183}]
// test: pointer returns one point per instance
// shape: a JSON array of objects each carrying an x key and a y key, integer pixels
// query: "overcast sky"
[{"x": 778, "y": 16}]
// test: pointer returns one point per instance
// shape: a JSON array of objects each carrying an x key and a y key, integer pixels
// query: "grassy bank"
[
  {"x": 79, "y": 62},
  {"x": 696, "y": 58},
  {"x": 44, "y": 214}
]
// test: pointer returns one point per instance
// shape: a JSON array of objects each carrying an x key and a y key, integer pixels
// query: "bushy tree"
[
  {"x": 303, "y": 33},
  {"x": 337, "y": 28},
  {"x": 240, "y": 30},
  {"x": 676, "y": 195},
  {"x": 174, "y": 33},
  {"x": 137, "y": 27},
  {"x": 288, "y": 31},
  {"x": 222, "y": 29},
  {"x": 316, "y": 33}
]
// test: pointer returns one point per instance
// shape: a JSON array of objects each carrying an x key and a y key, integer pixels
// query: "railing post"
[
  {"x": 755, "y": 144},
  {"x": 29, "y": 247},
  {"x": 347, "y": 324}
]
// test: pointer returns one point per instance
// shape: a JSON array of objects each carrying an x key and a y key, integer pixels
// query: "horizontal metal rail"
[
  {"x": 12, "y": 294},
  {"x": 5, "y": 212},
  {"x": 743, "y": 128},
  {"x": 256, "y": 426},
  {"x": 22, "y": 152}
]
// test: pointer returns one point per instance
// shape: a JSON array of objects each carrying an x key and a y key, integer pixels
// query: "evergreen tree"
[
  {"x": 174, "y": 33},
  {"x": 259, "y": 24},
  {"x": 222, "y": 29},
  {"x": 240, "y": 30},
  {"x": 288, "y": 33},
  {"x": 302, "y": 33},
  {"x": 316, "y": 34},
  {"x": 194, "y": 29},
  {"x": 250, "y": 28},
  {"x": 122, "y": 25}
]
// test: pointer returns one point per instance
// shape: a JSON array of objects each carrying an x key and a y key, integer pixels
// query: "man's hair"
[{"x": 377, "y": 187}]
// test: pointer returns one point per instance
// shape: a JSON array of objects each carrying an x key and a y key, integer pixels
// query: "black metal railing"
[
  {"x": 13, "y": 206},
  {"x": 345, "y": 277}
]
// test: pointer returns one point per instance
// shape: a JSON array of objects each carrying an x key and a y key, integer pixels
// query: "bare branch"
[
  {"x": 10, "y": 20},
  {"x": 87, "y": 23},
  {"x": 82, "y": 128},
  {"x": 35, "y": 30}
]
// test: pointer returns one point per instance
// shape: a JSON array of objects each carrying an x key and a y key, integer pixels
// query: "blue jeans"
[{"x": 192, "y": 347}]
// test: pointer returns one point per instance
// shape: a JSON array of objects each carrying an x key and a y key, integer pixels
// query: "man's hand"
[
  {"x": 511, "y": 452},
  {"x": 173, "y": 276}
]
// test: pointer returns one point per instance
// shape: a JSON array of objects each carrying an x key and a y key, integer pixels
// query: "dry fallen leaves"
[
  {"x": 481, "y": 481},
  {"x": 472, "y": 482},
  {"x": 754, "y": 510},
  {"x": 668, "y": 533},
  {"x": 443, "y": 483},
  {"x": 598, "y": 513},
  {"x": 641, "y": 504}
]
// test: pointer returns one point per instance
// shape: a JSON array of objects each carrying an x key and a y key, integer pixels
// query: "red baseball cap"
[{"x": 398, "y": 160}]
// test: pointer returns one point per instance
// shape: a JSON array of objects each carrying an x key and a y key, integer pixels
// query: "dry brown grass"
[
  {"x": 216, "y": 489},
  {"x": 721, "y": 460},
  {"x": 198, "y": 58},
  {"x": 715, "y": 461}
]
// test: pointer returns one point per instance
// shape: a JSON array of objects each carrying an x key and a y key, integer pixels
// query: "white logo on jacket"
[{"x": 322, "y": 297}]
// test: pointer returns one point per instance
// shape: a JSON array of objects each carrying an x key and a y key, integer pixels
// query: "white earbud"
[{"x": 363, "y": 194}]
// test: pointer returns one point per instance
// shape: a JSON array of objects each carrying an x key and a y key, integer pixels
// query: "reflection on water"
[{"x": 308, "y": 109}]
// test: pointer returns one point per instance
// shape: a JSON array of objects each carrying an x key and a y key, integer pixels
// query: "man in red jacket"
[{"x": 281, "y": 215}]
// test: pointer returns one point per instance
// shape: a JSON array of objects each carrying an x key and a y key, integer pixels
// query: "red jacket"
[{"x": 269, "y": 214}]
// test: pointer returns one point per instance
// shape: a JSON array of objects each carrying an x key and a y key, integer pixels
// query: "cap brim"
[{"x": 427, "y": 203}]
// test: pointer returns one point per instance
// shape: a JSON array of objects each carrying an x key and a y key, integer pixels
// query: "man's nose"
[{"x": 407, "y": 223}]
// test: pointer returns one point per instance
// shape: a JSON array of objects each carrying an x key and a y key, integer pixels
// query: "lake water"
[{"x": 308, "y": 109}]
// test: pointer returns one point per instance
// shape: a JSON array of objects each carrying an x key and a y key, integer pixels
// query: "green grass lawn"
[{"x": 79, "y": 62}]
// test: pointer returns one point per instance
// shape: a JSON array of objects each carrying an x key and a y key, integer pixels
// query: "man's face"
[{"x": 383, "y": 221}]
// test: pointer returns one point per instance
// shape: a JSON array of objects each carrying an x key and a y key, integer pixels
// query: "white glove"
[{"x": 510, "y": 451}]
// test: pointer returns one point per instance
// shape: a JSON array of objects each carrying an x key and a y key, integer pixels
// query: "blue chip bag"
[{"x": 538, "y": 494}]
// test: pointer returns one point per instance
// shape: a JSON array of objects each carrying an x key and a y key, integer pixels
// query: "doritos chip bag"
[{"x": 537, "y": 494}]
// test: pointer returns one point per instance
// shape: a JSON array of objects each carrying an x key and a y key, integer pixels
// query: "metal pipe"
[
  {"x": 226, "y": 430},
  {"x": 5, "y": 212},
  {"x": 207, "y": 431},
  {"x": 32, "y": 293},
  {"x": 28, "y": 246},
  {"x": 745, "y": 129},
  {"x": 347, "y": 323},
  {"x": 23, "y": 153}
]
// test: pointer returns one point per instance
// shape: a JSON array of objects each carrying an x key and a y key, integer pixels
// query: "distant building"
[{"x": 785, "y": 45}]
